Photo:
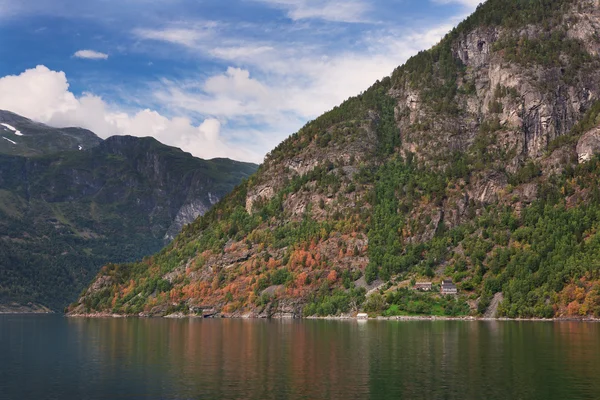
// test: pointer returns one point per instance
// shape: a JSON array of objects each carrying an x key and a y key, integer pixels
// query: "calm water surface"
[{"x": 53, "y": 357}]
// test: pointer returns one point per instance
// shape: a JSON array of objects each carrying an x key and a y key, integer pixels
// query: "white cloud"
[
  {"x": 233, "y": 95},
  {"x": 37, "y": 93},
  {"x": 279, "y": 89},
  {"x": 43, "y": 95},
  {"x": 467, "y": 3},
  {"x": 236, "y": 83},
  {"x": 240, "y": 52},
  {"x": 188, "y": 35},
  {"x": 210, "y": 128},
  {"x": 290, "y": 83},
  {"x": 328, "y": 10},
  {"x": 90, "y": 55}
]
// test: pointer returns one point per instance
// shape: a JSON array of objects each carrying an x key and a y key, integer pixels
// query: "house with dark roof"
[{"x": 448, "y": 287}]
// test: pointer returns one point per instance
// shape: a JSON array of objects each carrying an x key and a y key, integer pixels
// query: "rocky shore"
[{"x": 345, "y": 317}]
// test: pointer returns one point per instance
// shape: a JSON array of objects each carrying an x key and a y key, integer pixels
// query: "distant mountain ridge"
[
  {"x": 24, "y": 137},
  {"x": 71, "y": 202}
]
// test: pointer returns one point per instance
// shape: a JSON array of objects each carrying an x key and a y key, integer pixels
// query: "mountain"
[
  {"x": 475, "y": 161},
  {"x": 40, "y": 139},
  {"x": 64, "y": 214}
]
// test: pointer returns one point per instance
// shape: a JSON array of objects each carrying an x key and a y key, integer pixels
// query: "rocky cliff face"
[
  {"x": 65, "y": 214},
  {"x": 186, "y": 214},
  {"x": 443, "y": 169},
  {"x": 531, "y": 103}
]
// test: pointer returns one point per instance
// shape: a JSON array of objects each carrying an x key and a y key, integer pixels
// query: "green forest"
[{"x": 64, "y": 215}]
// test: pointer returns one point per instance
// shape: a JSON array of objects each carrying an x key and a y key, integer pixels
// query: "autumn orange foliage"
[
  {"x": 580, "y": 299},
  {"x": 332, "y": 277}
]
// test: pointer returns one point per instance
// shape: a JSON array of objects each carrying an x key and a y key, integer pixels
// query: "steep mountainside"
[
  {"x": 475, "y": 161},
  {"x": 64, "y": 215},
  {"x": 24, "y": 137}
]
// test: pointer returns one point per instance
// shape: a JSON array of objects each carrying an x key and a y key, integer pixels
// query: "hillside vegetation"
[
  {"x": 474, "y": 161},
  {"x": 65, "y": 214}
]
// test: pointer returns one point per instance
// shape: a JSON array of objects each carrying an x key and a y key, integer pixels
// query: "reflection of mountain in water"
[{"x": 312, "y": 359}]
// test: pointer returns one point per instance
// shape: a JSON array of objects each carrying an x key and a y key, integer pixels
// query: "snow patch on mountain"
[{"x": 12, "y": 128}]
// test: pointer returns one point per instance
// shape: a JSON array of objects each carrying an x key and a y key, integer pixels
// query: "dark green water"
[{"x": 52, "y": 357}]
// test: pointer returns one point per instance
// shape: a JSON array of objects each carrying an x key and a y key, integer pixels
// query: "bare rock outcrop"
[
  {"x": 487, "y": 187},
  {"x": 492, "y": 310},
  {"x": 474, "y": 49},
  {"x": 588, "y": 145},
  {"x": 187, "y": 213}
]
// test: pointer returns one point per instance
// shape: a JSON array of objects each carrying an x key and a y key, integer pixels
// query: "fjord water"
[{"x": 53, "y": 357}]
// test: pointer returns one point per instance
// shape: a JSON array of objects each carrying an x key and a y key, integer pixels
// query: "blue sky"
[{"x": 216, "y": 78}]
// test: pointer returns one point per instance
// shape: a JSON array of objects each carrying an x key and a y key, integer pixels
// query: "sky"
[{"x": 216, "y": 78}]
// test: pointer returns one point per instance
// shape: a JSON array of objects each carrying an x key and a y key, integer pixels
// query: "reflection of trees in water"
[
  {"x": 412, "y": 359},
  {"x": 231, "y": 358},
  {"x": 466, "y": 360},
  {"x": 126, "y": 356},
  {"x": 340, "y": 359}
]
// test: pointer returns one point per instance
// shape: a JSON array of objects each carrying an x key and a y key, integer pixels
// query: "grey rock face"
[
  {"x": 187, "y": 213},
  {"x": 588, "y": 145},
  {"x": 542, "y": 105},
  {"x": 486, "y": 188},
  {"x": 474, "y": 50}
]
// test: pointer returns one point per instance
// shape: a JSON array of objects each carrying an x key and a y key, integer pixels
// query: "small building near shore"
[
  {"x": 423, "y": 286},
  {"x": 448, "y": 287},
  {"x": 362, "y": 316}
]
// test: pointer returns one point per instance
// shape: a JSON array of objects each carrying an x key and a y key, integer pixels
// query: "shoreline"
[
  {"x": 9, "y": 309},
  {"x": 343, "y": 318},
  {"x": 27, "y": 312},
  {"x": 466, "y": 319}
]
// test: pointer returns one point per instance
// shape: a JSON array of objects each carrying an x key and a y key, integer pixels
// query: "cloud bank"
[{"x": 43, "y": 95}]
